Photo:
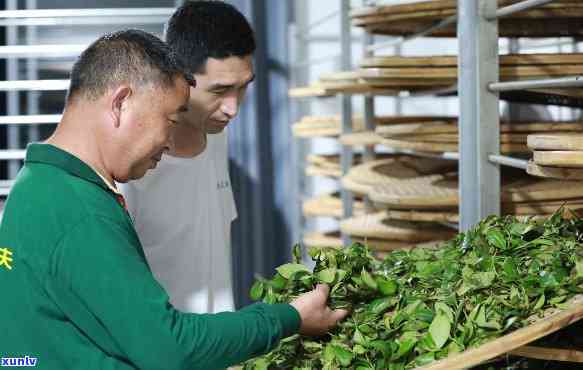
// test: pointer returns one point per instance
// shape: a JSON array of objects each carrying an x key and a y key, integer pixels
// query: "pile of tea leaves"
[{"x": 418, "y": 306}]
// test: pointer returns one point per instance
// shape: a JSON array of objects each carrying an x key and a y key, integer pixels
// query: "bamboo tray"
[
  {"x": 383, "y": 245},
  {"x": 316, "y": 239},
  {"x": 380, "y": 226},
  {"x": 328, "y": 165},
  {"x": 315, "y": 126},
  {"x": 360, "y": 179},
  {"x": 448, "y": 75},
  {"x": 325, "y": 165},
  {"x": 318, "y": 171},
  {"x": 333, "y": 239},
  {"x": 453, "y": 138},
  {"x": 445, "y": 61},
  {"x": 553, "y": 320},
  {"x": 560, "y": 19},
  {"x": 329, "y": 205},
  {"x": 450, "y": 127},
  {"x": 572, "y": 159},
  {"x": 568, "y": 142},
  {"x": 536, "y": 209},
  {"x": 310, "y": 128},
  {"x": 364, "y": 138},
  {"x": 432, "y": 147},
  {"x": 550, "y": 354},
  {"x": 440, "y": 191},
  {"x": 563, "y": 173},
  {"x": 319, "y": 89}
]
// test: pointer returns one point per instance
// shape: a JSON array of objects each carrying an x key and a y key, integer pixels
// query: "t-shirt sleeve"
[{"x": 98, "y": 261}]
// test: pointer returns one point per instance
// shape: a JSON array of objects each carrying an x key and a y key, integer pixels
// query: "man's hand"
[{"x": 317, "y": 317}]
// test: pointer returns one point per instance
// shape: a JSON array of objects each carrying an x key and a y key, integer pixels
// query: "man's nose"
[{"x": 230, "y": 106}]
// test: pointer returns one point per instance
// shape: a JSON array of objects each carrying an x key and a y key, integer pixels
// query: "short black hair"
[
  {"x": 131, "y": 56},
  {"x": 199, "y": 30}
]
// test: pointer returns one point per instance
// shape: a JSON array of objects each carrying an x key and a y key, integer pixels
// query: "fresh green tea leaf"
[{"x": 439, "y": 330}]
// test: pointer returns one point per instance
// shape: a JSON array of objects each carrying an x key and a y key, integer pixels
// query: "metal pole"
[
  {"x": 32, "y": 97},
  {"x": 479, "y": 124},
  {"x": 576, "y": 81},
  {"x": 369, "y": 108},
  {"x": 509, "y": 161},
  {"x": 299, "y": 77},
  {"x": 346, "y": 106},
  {"x": 12, "y": 96},
  {"x": 518, "y": 7}
]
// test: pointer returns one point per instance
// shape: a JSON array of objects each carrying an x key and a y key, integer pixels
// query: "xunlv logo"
[{"x": 18, "y": 361}]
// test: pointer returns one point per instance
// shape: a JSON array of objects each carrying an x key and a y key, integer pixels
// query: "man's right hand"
[{"x": 317, "y": 317}]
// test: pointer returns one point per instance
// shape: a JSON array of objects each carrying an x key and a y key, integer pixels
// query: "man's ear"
[{"x": 119, "y": 101}]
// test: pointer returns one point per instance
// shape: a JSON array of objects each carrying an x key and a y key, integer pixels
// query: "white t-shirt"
[{"x": 182, "y": 211}]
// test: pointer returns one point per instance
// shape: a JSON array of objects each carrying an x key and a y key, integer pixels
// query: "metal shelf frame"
[
  {"x": 347, "y": 155},
  {"x": 14, "y": 50},
  {"x": 479, "y": 95}
]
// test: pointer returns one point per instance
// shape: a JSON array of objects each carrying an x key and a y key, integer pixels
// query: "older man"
[{"x": 77, "y": 292}]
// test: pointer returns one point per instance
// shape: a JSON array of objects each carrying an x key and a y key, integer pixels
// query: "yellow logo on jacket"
[{"x": 6, "y": 258}]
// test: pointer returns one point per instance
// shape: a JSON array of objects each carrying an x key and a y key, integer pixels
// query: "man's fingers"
[
  {"x": 339, "y": 314},
  {"x": 323, "y": 288}
]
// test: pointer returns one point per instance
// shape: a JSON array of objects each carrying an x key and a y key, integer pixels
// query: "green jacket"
[{"x": 77, "y": 292}]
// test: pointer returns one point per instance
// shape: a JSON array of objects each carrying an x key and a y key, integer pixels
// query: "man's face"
[
  {"x": 147, "y": 121},
  {"x": 220, "y": 90}
]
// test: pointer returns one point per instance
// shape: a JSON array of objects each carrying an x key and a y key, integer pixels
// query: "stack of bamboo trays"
[
  {"x": 326, "y": 165},
  {"x": 560, "y": 18},
  {"x": 434, "y": 72},
  {"x": 380, "y": 230},
  {"x": 391, "y": 75},
  {"x": 329, "y": 205},
  {"x": 443, "y": 135},
  {"x": 557, "y": 155}
]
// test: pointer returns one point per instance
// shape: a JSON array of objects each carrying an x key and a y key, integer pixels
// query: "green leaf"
[
  {"x": 510, "y": 269},
  {"x": 439, "y": 330},
  {"x": 343, "y": 356},
  {"x": 261, "y": 364},
  {"x": 289, "y": 269},
  {"x": 256, "y": 291},
  {"x": 312, "y": 346},
  {"x": 405, "y": 346},
  {"x": 520, "y": 228},
  {"x": 297, "y": 254},
  {"x": 329, "y": 354},
  {"x": 496, "y": 239},
  {"x": 359, "y": 350},
  {"x": 358, "y": 338},
  {"x": 278, "y": 282},
  {"x": 425, "y": 359},
  {"x": 380, "y": 305},
  {"x": 485, "y": 279},
  {"x": 327, "y": 276},
  {"x": 443, "y": 308},
  {"x": 368, "y": 280},
  {"x": 387, "y": 287},
  {"x": 539, "y": 303},
  {"x": 579, "y": 268},
  {"x": 366, "y": 329}
]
